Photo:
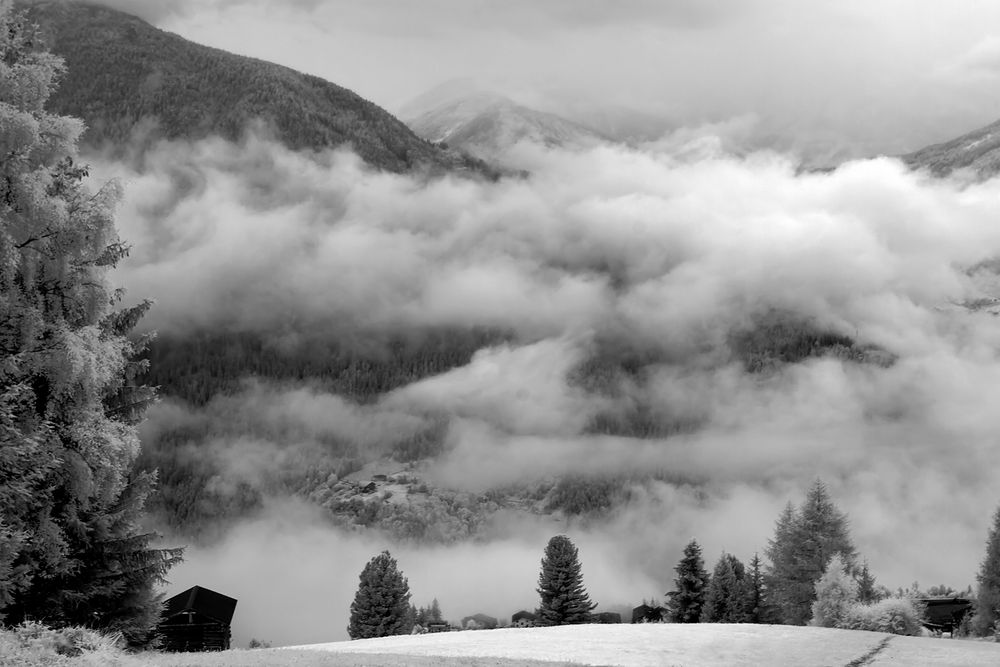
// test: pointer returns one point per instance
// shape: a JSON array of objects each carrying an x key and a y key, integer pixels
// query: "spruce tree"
[
  {"x": 381, "y": 605},
  {"x": 71, "y": 548},
  {"x": 726, "y": 597},
  {"x": 691, "y": 585},
  {"x": 755, "y": 601},
  {"x": 867, "y": 590},
  {"x": 435, "y": 613},
  {"x": 564, "y": 600},
  {"x": 804, "y": 542},
  {"x": 988, "y": 596}
]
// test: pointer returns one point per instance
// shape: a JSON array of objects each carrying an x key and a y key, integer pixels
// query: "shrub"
[
  {"x": 836, "y": 593},
  {"x": 898, "y": 616}
]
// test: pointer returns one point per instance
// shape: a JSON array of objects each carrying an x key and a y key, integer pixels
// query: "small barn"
[
  {"x": 523, "y": 619},
  {"x": 197, "y": 620},
  {"x": 644, "y": 613},
  {"x": 945, "y": 614}
]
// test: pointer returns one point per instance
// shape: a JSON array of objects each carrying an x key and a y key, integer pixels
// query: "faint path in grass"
[{"x": 869, "y": 657}]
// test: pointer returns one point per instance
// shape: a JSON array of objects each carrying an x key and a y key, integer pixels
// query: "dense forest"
[{"x": 129, "y": 81}]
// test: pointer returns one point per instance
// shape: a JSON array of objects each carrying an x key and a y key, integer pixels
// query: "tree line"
[{"x": 813, "y": 576}]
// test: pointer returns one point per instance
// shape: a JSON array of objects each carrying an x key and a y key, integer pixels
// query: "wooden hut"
[
  {"x": 197, "y": 620},
  {"x": 645, "y": 613},
  {"x": 945, "y": 614}
]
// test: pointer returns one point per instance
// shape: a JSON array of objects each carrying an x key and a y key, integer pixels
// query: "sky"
[{"x": 850, "y": 77}]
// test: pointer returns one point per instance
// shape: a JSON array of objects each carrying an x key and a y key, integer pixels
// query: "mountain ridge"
[{"x": 130, "y": 81}]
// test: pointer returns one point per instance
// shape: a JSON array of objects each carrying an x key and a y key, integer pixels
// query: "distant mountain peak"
[{"x": 486, "y": 125}]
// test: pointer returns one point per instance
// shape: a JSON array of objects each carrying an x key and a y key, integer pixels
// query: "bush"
[
  {"x": 898, "y": 616},
  {"x": 32, "y": 644}
]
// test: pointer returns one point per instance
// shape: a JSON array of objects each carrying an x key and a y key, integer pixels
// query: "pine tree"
[
  {"x": 71, "y": 548},
  {"x": 988, "y": 596},
  {"x": 564, "y": 600},
  {"x": 835, "y": 591},
  {"x": 867, "y": 589},
  {"x": 804, "y": 542},
  {"x": 381, "y": 605},
  {"x": 435, "y": 613},
  {"x": 690, "y": 586},
  {"x": 725, "y": 599},
  {"x": 755, "y": 602}
]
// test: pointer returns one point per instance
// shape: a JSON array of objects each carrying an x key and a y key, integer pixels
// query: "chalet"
[
  {"x": 438, "y": 626},
  {"x": 197, "y": 620},
  {"x": 523, "y": 619},
  {"x": 647, "y": 614},
  {"x": 479, "y": 622}
]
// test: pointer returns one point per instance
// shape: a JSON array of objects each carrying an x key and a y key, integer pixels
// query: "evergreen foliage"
[
  {"x": 381, "y": 606},
  {"x": 988, "y": 596},
  {"x": 726, "y": 599},
  {"x": 757, "y": 608},
  {"x": 868, "y": 591},
  {"x": 564, "y": 600},
  {"x": 690, "y": 586},
  {"x": 836, "y": 593},
  {"x": 804, "y": 541},
  {"x": 71, "y": 548}
]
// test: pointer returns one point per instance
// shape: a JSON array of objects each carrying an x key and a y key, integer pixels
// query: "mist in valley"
[{"x": 614, "y": 285}]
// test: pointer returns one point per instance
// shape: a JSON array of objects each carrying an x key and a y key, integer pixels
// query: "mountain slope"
[
  {"x": 978, "y": 151},
  {"x": 125, "y": 75},
  {"x": 486, "y": 125}
]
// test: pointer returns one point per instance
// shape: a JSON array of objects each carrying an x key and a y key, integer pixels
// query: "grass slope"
[
  {"x": 703, "y": 645},
  {"x": 125, "y": 75}
]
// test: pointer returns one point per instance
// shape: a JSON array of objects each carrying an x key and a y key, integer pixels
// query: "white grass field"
[
  {"x": 662, "y": 645},
  {"x": 698, "y": 645}
]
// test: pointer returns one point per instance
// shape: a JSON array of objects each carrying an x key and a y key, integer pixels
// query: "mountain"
[
  {"x": 486, "y": 125},
  {"x": 977, "y": 151},
  {"x": 127, "y": 78}
]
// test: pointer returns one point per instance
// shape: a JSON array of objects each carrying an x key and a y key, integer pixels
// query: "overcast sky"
[{"x": 882, "y": 76}]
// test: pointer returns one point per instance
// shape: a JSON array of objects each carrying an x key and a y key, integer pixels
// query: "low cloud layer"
[{"x": 661, "y": 253}]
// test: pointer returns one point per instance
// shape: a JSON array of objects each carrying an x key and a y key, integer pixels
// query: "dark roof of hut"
[{"x": 202, "y": 601}]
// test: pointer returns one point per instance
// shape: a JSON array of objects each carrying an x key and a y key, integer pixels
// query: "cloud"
[{"x": 617, "y": 278}]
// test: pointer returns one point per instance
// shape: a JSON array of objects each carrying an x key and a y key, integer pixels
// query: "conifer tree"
[
  {"x": 690, "y": 585},
  {"x": 71, "y": 548},
  {"x": 381, "y": 605},
  {"x": 726, "y": 597},
  {"x": 804, "y": 542},
  {"x": 867, "y": 590},
  {"x": 435, "y": 613},
  {"x": 756, "y": 605},
  {"x": 564, "y": 599},
  {"x": 988, "y": 578}
]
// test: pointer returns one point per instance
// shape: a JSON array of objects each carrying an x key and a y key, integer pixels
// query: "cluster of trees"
[
  {"x": 72, "y": 551},
  {"x": 381, "y": 605},
  {"x": 783, "y": 591}
]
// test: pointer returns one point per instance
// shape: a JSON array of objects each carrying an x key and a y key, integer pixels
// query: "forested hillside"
[{"x": 129, "y": 81}]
